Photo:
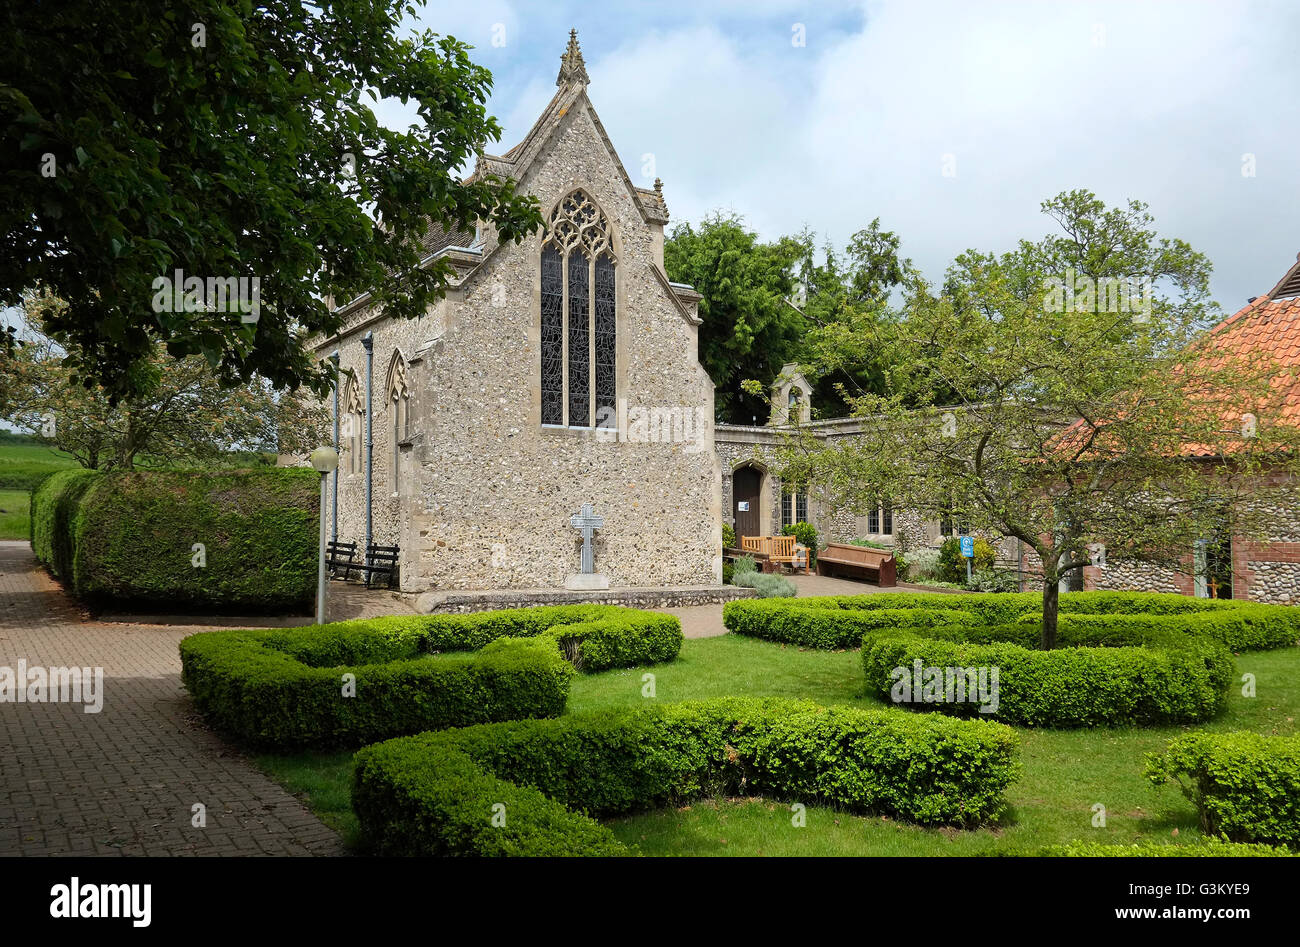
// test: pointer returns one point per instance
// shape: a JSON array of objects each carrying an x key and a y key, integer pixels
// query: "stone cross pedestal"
[{"x": 587, "y": 521}]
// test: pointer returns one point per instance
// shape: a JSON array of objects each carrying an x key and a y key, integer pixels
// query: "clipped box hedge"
[
  {"x": 832, "y": 627},
  {"x": 1167, "y": 664},
  {"x": 1245, "y": 786},
  {"x": 535, "y": 787},
  {"x": 1098, "y": 677},
  {"x": 1244, "y": 627},
  {"x": 1143, "y": 603},
  {"x": 285, "y": 689}
]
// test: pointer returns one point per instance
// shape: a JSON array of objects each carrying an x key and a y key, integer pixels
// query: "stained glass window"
[
  {"x": 606, "y": 341},
  {"x": 579, "y": 345},
  {"x": 552, "y": 336},
  {"x": 578, "y": 319}
]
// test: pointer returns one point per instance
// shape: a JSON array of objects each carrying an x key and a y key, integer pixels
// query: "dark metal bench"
[
  {"x": 341, "y": 556},
  {"x": 380, "y": 560}
]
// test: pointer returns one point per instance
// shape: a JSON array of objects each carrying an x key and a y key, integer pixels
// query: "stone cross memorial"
[{"x": 587, "y": 521}]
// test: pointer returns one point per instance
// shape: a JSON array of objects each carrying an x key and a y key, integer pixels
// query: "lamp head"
[{"x": 324, "y": 459}]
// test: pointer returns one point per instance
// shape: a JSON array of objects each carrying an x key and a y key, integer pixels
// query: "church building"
[{"x": 557, "y": 373}]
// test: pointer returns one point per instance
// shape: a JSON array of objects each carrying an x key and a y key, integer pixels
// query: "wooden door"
[{"x": 745, "y": 485}]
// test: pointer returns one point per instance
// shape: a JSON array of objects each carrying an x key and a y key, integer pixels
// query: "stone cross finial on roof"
[{"x": 571, "y": 65}]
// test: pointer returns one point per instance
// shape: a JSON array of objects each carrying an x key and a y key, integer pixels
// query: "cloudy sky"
[{"x": 949, "y": 121}]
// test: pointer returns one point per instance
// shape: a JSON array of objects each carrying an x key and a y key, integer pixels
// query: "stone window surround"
[
  {"x": 397, "y": 407},
  {"x": 354, "y": 413},
  {"x": 534, "y": 264}
]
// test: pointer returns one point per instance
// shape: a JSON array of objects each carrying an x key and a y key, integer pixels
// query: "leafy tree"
[
  {"x": 1068, "y": 416},
  {"x": 179, "y": 413},
  {"x": 229, "y": 139},
  {"x": 750, "y": 327},
  {"x": 846, "y": 295}
]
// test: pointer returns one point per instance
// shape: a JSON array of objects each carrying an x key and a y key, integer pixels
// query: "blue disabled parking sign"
[{"x": 968, "y": 547}]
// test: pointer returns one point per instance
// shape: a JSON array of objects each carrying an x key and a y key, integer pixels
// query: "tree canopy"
[
  {"x": 750, "y": 327},
  {"x": 178, "y": 413},
  {"x": 227, "y": 140},
  {"x": 1065, "y": 388}
]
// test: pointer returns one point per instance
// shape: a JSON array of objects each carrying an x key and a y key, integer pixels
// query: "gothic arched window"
[
  {"x": 579, "y": 315},
  {"x": 354, "y": 421},
  {"x": 398, "y": 397}
]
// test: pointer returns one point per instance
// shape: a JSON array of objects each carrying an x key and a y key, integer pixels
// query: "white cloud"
[{"x": 1153, "y": 100}]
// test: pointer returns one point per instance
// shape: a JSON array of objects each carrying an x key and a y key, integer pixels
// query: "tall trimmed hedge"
[
  {"x": 54, "y": 504},
  {"x": 129, "y": 537},
  {"x": 527, "y": 787}
]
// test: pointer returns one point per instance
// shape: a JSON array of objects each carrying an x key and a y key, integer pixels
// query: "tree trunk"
[{"x": 1051, "y": 602}]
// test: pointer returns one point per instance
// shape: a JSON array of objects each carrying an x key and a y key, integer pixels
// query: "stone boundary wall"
[{"x": 681, "y": 597}]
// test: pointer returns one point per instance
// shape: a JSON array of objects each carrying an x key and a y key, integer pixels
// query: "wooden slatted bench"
[
  {"x": 341, "y": 556},
  {"x": 381, "y": 560},
  {"x": 779, "y": 550},
  {"x": 732, "y": 554},
  {"x": 877, "y": 564}
]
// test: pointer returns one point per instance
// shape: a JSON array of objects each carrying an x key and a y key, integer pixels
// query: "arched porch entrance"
[{"x": 749, "y": 503}]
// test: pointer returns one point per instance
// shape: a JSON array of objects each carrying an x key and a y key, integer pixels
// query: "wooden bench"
[
  {"x": 341, "y": 556},
  {"x": 779, "y": 550},
  {"x": 381, "y": 560},
  {"x": 731, "y": 554},
  {"x": 877, "y": 564}
]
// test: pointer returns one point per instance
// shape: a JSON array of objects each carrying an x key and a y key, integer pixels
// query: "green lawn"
[
  {"x": 22, "y": 466},
  {"x": 1066, "y": 772},
  {"x": 15, "y": 506}
]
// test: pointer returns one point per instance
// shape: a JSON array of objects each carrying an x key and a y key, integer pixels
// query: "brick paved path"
[{"x": 123, "y": 781}]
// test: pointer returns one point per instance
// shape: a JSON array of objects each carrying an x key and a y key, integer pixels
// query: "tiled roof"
[
  {"x": 438, "y": 237},
  {"x": 1264, "y": 329},
  {"x": 1265, "y": 333}
]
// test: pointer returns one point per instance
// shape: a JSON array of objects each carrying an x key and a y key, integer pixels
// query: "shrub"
[
  {"x": 285, "y": 688},
  {"x": 950, "y": 565},
  {"x": 1208, "y": 848},
  {"x": 1245, "y": 786},
  {"x": 54, "y": 502},
  {"x": 1143, "y": 603},
  {"x": 922, "y": 565},
  {"x": 1111, "y": 669},
  {"x": 1100, "y": 677},
  {"x": 768, "y": 585},
  {"x": 728, "y": 573},
  {"x": 434, "y": 794},
  {"x": 806, "y": 535},
  {"x": 994, "y": 580},
  {"x": 986, "y": 555},
  {"x": 745, "y": 564},
  {"x": 1247, "y": 627},
  {"x": 828, "y": 628},
  {"x": 728, "y": 536},
  {"x": 130, "y": 538},
  {"x": 991, "y": 609}
]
